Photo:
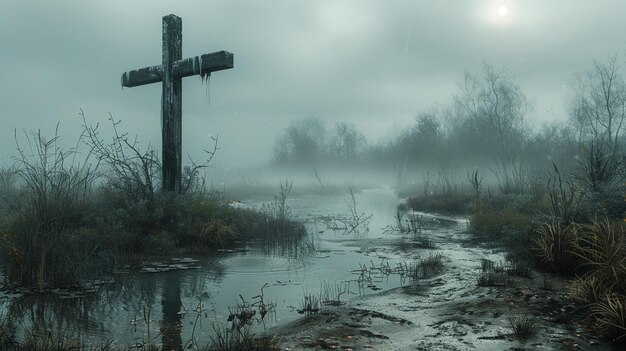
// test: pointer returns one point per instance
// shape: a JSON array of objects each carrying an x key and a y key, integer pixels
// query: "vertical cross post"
[
  {"x": 171, "y": 104},
  {"x": 170, "y": 73}
]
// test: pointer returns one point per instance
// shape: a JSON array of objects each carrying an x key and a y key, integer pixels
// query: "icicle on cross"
[{"x": 170, "y": 73}]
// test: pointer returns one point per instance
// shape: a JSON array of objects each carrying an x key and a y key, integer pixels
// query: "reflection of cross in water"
[
  {"x": 170, "y": 73},
  {"x": 172, "y": 305}
]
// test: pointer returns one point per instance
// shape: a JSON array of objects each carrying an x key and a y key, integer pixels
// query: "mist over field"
[
  {"x": 374, "y": 65},
  {"x": 304, "y": 175}
]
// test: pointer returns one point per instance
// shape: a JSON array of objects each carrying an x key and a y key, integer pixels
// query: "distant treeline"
[{"x": 486, "y": 122}]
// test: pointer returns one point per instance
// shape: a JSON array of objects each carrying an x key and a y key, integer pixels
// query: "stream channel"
[
  {"x": 325, "y": 259},
  {"x": 177, "y": 299}
]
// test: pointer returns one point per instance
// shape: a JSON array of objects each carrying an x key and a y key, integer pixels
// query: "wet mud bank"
[{"x": 451, "y": 310}]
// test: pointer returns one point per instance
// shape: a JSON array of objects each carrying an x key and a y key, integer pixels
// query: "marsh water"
[{"x": 175, "y": 306}]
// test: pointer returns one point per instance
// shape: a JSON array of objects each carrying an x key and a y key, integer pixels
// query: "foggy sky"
[{"x": 373, "y": 63}]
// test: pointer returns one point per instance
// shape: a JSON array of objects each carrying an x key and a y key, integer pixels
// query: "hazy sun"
[{"x": 503, "y": 10}]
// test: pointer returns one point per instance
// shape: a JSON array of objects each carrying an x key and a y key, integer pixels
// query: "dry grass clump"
[
  {"x": 525, "y": 326},
  {"x": 602, "y": 286},
  {"x": 587, "y": 289},
  {"x": 610, "y": 313},
  {"x": 601, "y": 248},
  {"x": 427, "y": 267},
  {"x": 557, "y": 244},
  {"x": 217, "y": 233}
]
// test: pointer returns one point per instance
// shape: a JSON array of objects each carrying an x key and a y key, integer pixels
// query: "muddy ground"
[{"x": 449, "y": 311}]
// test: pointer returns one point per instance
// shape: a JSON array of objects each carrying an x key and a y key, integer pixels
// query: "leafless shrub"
[
  {"x": 356, "y": 223},
  {"x": 131, "y": 171},
  {"x": 134, "y": 172},
  {"x": 278, "y": 208},
  {"x": 55, "y": 186},
  {"x": 53, "y": 201}
]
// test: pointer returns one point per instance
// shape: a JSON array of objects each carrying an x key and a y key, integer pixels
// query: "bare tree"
[
  {"x": 421, "y": 144},
  {"x": 496, "y": 109},
  {"x": 597, "y": 106},
  {"x": 302, "y": 143},
  {"x": 597, "y": 111},
  {"x": 346, "y": 142}
]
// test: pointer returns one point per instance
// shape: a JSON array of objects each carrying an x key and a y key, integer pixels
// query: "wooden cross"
[{"x": 171, "y": 72}]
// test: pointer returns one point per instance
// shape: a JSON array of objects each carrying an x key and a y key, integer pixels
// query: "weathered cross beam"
[{"x": 171, "y": 72}]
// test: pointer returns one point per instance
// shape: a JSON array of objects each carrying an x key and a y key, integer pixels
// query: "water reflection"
[
  {"x": 291, "y": 267},
  {"x": 136, "y": 308},
  {"x": 172, "y": 307}
]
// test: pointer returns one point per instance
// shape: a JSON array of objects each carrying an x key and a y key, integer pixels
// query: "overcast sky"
[{"x": 374, "y": 63}]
